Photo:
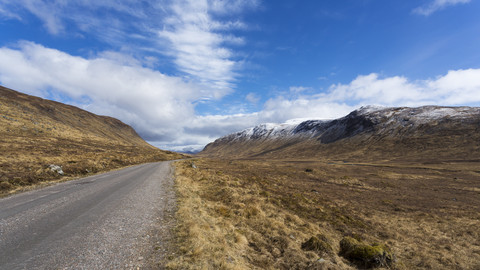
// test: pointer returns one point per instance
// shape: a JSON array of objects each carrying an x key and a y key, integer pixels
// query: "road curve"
[{"x": 106, "y": 221}]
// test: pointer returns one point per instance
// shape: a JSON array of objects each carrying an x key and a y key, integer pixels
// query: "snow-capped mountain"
[{"x": 372, "y": 126}]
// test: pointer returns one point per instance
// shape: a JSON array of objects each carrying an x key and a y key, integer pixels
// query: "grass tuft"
[{"x": 366, "y": 256}]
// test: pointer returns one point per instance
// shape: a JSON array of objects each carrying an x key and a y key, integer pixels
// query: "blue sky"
[{"x": 183, "y": 73}]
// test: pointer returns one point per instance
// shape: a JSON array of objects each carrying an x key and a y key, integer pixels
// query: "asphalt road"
[{"x": 106, "y": 221}]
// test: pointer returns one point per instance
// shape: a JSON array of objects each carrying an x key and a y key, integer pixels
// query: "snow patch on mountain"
[
  {"x": 360, "y": 120},
  {"x": 370, "y": 108},
  {"x": 267, "y": 130}
]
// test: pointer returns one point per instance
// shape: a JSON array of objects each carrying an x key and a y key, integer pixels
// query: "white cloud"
[
  {"x": 436, "y": 5},
  {"x": 457, "y": 87},
  {"x": 46, "y": 12},
  {"x": 232, "y": 6},
  {"x": 121, "y": 81},
  {"x": 6, "y": 14},
  {"x": 252, "y": 98},
  {"x": 55, "y": 13},
  {"x": 162, "y": 108},
  {"x": 155, "y": 104},
  {"x": 298, "y": 89}
]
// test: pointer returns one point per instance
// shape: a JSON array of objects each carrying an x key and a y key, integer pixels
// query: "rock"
[
  {"x": 56, "y": 168},
  {"x": 364, "y": 255}
]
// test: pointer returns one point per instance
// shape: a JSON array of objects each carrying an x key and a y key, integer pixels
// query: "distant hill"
[
  {"x": 36, "y": 133},
  {"x": 369, "y": 133}
]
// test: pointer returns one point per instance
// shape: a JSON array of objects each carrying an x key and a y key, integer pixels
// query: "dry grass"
[
  {"x": 230, "y": 223},
  {"x": 256, "y": 214},
  {"x": 21, "y": 168},
  {"x": 35, "y": 133}
]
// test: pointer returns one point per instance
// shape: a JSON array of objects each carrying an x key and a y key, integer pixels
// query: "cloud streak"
[
  {"x": 198, "y": 41},
  {"x": 56, "y": 14},
  {"x": 437, "y": 5},
  {"x": 185, "y": 31}
]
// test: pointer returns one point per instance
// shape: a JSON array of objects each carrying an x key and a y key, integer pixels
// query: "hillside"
[
  {"x": 367, "y": 133},
  {"x": 36, "y": 133}
]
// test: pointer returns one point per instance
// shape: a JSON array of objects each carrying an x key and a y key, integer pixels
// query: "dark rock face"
[
  {"x": 312, "y": 126},
  {"x": 346, "y": 127}
]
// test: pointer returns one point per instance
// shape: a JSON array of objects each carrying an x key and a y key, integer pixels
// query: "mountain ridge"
[{"x": 380, "y": 129}]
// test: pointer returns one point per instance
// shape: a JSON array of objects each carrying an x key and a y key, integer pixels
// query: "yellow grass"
[
  {"x": 225, "y": 224},
  {"x": 256, "y": 214}
]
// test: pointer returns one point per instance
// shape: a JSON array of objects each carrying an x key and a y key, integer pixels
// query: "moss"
[
  {"x": 364, "y": 255},
  {"x": 318, "y": 244}
]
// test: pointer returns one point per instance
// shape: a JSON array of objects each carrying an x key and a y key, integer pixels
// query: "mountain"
[
  {"x": 36, "y": 133},
  {"x": 369, "y": 133}
]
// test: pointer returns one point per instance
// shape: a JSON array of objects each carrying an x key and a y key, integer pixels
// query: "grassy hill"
[{"x": 36, "y": 133}]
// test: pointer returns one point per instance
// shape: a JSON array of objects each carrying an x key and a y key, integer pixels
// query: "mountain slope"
[
  {"x": 36, "y": 133},
  {"x": 367, "y": 133}
]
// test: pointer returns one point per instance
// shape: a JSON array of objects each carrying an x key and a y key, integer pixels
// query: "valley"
[
  {"x": 240, "y": 134},
  {"x": 388, "y": 188}
]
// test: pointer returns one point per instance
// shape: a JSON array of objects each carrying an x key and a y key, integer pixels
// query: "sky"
[{"x": 185, "y": 72}]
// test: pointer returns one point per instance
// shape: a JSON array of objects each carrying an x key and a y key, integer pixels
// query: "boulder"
[{"x": 56, "y": 168}]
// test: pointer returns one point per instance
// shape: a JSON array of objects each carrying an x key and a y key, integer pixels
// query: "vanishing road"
[{"x": 116, "y": 220}]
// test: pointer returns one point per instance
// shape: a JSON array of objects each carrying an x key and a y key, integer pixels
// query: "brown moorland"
[
  {"x": 36, "y": 133},
  {"x": 258, "y": 214},
  {"x": 407, "y": 201}
]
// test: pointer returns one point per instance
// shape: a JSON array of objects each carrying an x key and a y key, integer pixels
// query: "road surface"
[{"x": 116, "y": 220}]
